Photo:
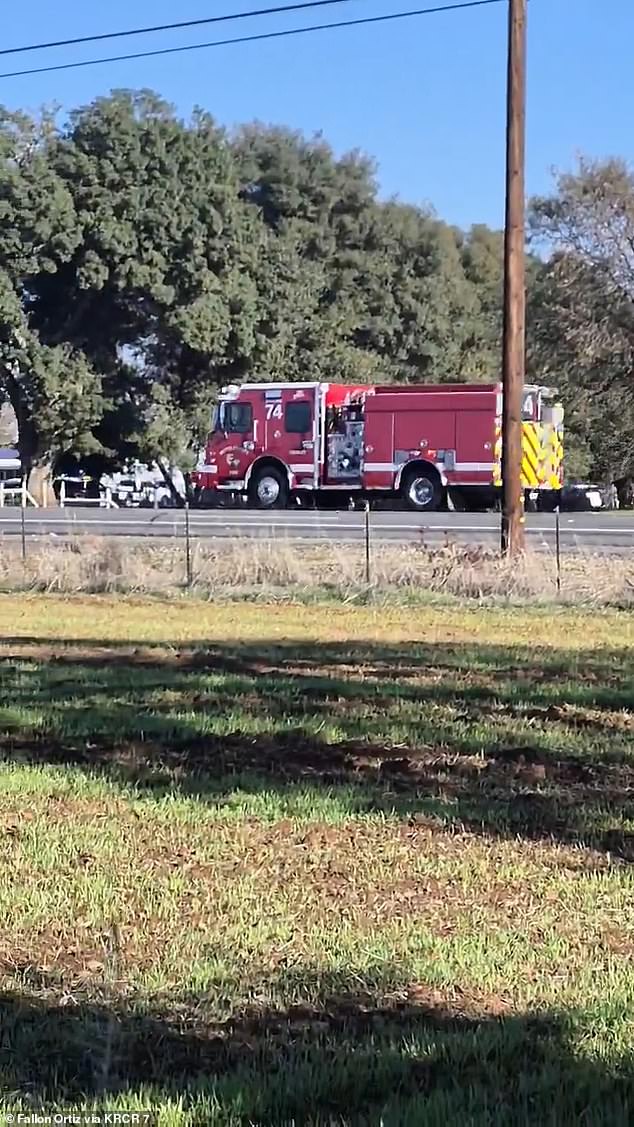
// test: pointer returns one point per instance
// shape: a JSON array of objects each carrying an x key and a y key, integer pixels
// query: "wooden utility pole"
[{"x": 513, "y": 359}]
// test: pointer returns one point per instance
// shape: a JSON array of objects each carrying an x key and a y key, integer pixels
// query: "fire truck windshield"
[{"x": 232, "y": 418}]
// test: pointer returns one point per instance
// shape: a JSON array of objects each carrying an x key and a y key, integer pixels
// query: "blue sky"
[{"x": 424, "y": 96}]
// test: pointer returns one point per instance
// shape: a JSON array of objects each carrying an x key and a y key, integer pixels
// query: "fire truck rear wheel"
[
  {"x": 268, "y": 489},
  {"x": 422, "y": 490}
]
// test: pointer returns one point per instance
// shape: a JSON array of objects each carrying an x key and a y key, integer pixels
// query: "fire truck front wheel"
[
  {"x": 268, "y": 489},
  {"x": 422, "y": 490}
]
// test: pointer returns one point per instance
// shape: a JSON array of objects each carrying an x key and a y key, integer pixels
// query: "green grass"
[{"x": 277, "y": 864}]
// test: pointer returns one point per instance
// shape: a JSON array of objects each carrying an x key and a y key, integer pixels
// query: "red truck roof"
[{"x": 464, "y": 388}]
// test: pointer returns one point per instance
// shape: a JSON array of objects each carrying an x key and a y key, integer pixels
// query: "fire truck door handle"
[
  {"x": 487, "y": 446},
  {"x": 308, "y": 445}
]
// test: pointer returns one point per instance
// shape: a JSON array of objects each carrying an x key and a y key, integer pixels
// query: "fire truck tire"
[
  {"x": 268, "y": 489},
  {"x": 422, "y": 490}
]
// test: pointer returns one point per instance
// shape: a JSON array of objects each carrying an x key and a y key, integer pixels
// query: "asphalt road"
[{"x": 600, "y": 532}]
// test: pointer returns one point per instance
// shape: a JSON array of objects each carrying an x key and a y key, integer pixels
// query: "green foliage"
[
  {"x": 49, "y": 384},
  {"x": 582, "y": 312},
  {"x": 385, "y": 293},
  {"x": 156, "y": 285},
  {"x": 146, "y": 260}
]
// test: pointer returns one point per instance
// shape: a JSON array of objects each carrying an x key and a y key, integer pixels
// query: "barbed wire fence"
[{"x": 92, "y": 544}]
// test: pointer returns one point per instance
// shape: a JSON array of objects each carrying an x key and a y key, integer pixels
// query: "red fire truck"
[{"x": 423, "y": 444}]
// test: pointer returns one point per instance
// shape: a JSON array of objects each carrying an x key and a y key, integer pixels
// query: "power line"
[
  {"x": 255, "y": 38},
  {"x": 168, "y": 26}
]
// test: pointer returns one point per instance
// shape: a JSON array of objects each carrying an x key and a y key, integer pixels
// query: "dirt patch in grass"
[
  {"x": 183, "y": 887},
  {"x": 508, "y": 790}
]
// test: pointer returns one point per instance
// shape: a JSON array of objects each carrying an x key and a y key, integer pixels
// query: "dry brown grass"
[{"x": 270, "y": 568}]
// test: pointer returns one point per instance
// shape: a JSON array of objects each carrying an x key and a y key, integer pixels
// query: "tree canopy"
[
  {"x": 145, "y": 260},
  {"x": 581, "y": 328}
]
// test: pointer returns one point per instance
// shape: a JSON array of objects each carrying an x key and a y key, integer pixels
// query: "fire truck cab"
[{"x": 269, "y": 441}]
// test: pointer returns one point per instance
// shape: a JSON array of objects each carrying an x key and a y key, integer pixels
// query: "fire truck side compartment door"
[
  {"x": 424, "y": 433},
  {"x": 475, "y": 441}
]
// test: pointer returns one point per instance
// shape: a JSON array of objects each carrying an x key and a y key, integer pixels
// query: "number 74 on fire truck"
[{"x": 427, "y": 445}]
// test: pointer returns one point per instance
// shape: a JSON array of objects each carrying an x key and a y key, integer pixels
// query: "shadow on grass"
[
  {"x": 346, "y": 1058},
  {"x": 502, "y": 740}
]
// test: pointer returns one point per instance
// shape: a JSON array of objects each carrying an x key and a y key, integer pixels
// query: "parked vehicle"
[
  {"x": 426, "y": 445},
  {"x": 578, "y": 497},
  {"x": 76, "y": 487},
  {"x": 583, "y": 497},
  {"x": 141, "y": 485}
]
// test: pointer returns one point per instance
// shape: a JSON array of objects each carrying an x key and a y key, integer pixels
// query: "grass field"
[{"x": 293, "y": 864}]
